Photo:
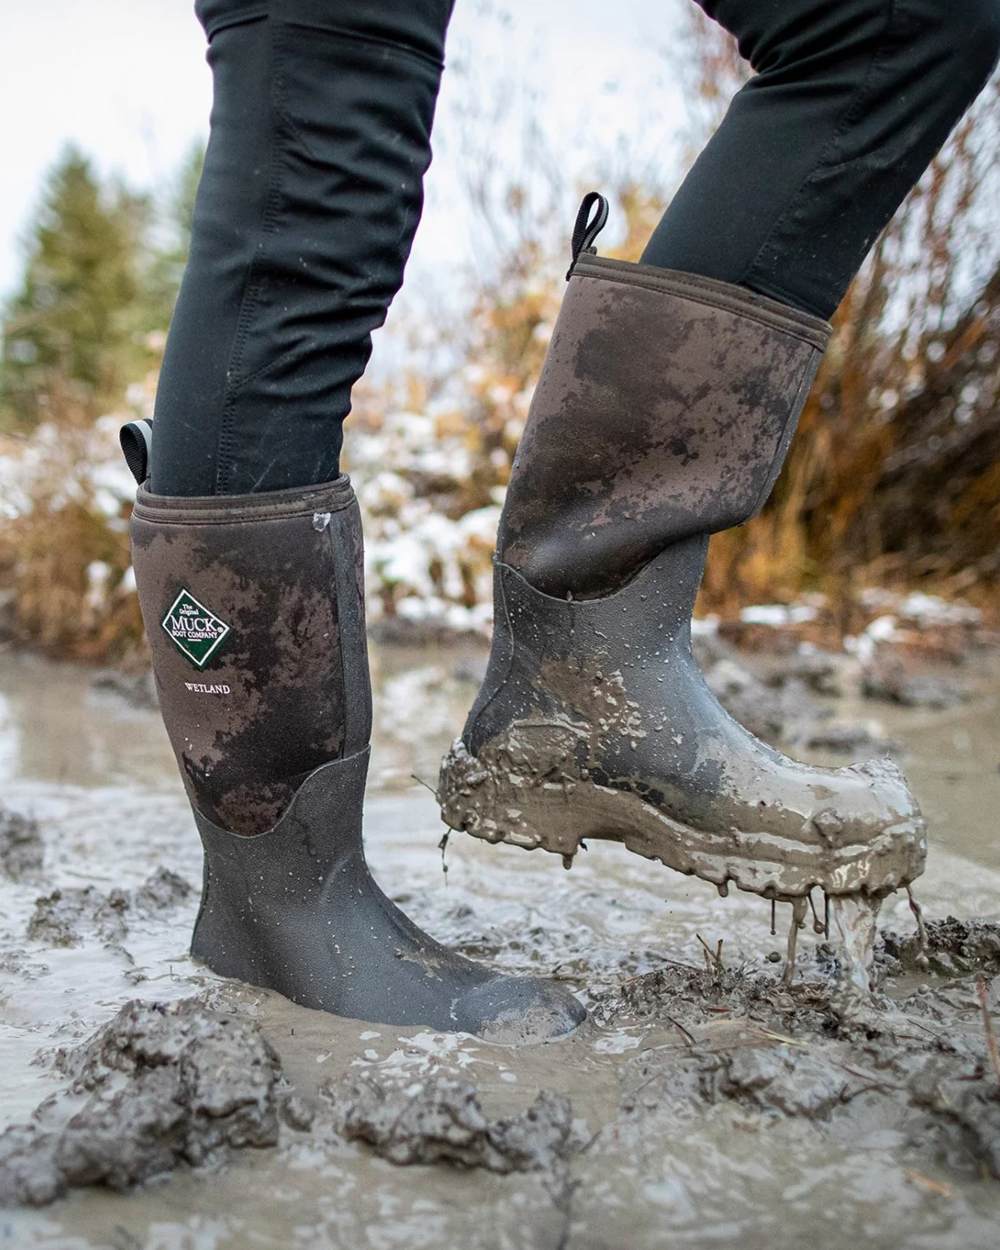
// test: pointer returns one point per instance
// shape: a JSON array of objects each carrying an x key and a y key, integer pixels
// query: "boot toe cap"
[{"x": 519, "y": 1011}]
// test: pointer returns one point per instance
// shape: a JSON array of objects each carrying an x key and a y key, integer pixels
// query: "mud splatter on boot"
[
  {"x": 663, "y": 414},
  {"x": 254, "y": 608}
]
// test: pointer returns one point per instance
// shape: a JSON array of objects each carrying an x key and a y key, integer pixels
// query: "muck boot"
[
  {"x": 663, "y": 414},
  {"x": 254, "y": 609}
]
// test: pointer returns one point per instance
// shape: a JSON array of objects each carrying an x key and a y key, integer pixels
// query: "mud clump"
[
  {"x": 756, "y": 1072},
  {"x": 442, "y": 1122},
  {"x": 954, "y": 948},
  {"x": 805, "y": 1050},
  {"x": 19, "y": 963},
  {"x": 168, "y": 1085},
  {"x": 137, "y": 689},
  {"x": 888, "y": 680},
  {"x": 160, "y": 891},
  {"x": 21, "y": 849},
  {"x": 59, "y": 918},
  {"x": 777, "y": 714},
  {"x": 693, "y": 996},
  {"x": 776, "y": 1079},
  {"x": 63, "y": 917},
  {"x": 971, "y": 1106}
]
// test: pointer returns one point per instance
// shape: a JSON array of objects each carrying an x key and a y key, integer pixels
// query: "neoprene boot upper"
[{"x": 664, "y": 410}]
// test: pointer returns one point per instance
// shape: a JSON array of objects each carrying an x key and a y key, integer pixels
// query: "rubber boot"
[
  {"x": 663, "y": 413},
  {"x": 254, "y": 609}
]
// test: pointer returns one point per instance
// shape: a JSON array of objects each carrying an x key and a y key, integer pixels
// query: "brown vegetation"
[{"x": 894, "y": 477}]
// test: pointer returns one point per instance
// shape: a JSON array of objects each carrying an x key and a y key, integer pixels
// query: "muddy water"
[{"x": 661, "y": 1168}]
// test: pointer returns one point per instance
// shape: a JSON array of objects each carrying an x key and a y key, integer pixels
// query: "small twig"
[
  {"x": 942, "y": 1188},
  {"x": 590, "y": 1141},
  {"x": 426, "y": 784},
  {"x": 782, "y": 1037},
  {"x": 983, "y": 990},
  {"x": 673, "y": 963},
  {"x": 685, "y": 1033},
  {"x": 712, "y": 958},
  {"x": 874, "y": 1082},
  {"x": 935, "y": 1033}
]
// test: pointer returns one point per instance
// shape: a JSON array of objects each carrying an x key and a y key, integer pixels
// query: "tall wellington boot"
[
  {"x": 255, "y": 614},
  {"x": 663, "y": 414}
]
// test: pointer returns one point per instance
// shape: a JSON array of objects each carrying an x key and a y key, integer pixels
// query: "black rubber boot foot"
[{"x": 296, "y": 910}]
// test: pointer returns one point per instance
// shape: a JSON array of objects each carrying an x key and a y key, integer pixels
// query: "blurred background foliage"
[{"x": 893, "y": 480}]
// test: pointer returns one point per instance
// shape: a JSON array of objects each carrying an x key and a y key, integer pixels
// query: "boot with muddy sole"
[
  {"x": 663, "y": 414},
  {"x": 254, "y": 609}
]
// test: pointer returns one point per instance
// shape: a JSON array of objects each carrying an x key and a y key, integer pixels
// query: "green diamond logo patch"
[{"x": 194, "y": 629}]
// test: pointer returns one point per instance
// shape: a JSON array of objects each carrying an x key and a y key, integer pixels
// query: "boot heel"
[{"x": 507, "y": 806}]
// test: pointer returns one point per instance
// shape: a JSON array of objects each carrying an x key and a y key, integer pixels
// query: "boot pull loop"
[
  {"x": 588, "y": 226},
  {"x": 136, "y": 439}
]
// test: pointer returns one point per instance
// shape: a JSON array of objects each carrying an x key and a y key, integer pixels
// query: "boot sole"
[{"x": 504, "y": 805}]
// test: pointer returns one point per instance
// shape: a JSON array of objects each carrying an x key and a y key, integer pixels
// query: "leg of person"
[
  {"x": 663, "y": 413},
  {"x": 306, "y": 210},
  {"x": 850, "y": 101},
  {"x": 247, "y": 544}
]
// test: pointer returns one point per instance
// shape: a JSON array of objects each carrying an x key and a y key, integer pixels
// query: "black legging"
[{"x": 311, "y": 194}]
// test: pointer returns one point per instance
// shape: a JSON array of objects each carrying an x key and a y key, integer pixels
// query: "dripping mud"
[{"x": 709, "y": 1094}]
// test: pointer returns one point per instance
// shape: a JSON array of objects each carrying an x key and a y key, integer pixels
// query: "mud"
[
  {"x": 441, "y": 1121},
  {"x": 890, "y": 680},
  {"x": 970, "y": 1107},
  {"x": 137, "y": 689},
  {"x": 194, "y": 1083},
  {"x": 706, "y": 1102},
  {"x": 781, "y": 714},
  {"x": 63, "y": 917},
  {"x": 21, "y": 848},
  {"x": 952, "y": 947},
  {"x": 806, "y": 1051}
]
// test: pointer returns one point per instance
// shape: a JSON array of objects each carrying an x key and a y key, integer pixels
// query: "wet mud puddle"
[{"x": 705, "y": 1103}]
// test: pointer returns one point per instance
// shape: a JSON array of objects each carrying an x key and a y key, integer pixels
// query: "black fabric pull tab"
[
  {"x": 588, "y": 227},
  {"x": 136, "y": 439}
]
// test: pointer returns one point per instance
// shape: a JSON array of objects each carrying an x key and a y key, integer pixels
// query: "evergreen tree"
[{"x": 73, "y": 333}]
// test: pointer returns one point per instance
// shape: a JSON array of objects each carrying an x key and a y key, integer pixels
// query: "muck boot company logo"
[{"x": 195, "y": 630}]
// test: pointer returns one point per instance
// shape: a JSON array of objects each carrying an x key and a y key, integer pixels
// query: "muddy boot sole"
[{"x": 552, "y": 809}]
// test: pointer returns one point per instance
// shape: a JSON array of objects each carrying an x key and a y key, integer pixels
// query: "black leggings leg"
[
  {"x": 311, "y": 194},
  {"x": 850, "y": 102},
  {"x": 312, "y": 191}
]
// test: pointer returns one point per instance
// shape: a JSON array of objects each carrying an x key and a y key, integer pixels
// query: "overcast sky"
[{"x": 127, "y": 81}]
